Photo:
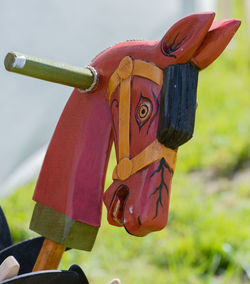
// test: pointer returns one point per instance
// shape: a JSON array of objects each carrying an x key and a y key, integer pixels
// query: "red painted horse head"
[{"x": 145, "y": 102}]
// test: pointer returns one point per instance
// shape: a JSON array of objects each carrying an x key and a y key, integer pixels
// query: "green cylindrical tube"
[{"x": 83, "y": 78}]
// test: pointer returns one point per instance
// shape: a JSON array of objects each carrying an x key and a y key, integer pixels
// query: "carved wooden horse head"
[{"x": 145, "y": 101}]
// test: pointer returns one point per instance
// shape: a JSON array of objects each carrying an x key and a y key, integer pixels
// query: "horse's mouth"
[
  {"x": 140, "y": 204},
  {"x": 117, "y": 206}
]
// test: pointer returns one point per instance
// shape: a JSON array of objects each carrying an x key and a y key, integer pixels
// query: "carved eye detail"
[{"x": 143, "y": 111}]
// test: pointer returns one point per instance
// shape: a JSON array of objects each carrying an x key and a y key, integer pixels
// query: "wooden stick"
[
  {"x": 84, "y": 78},
  {"x": 50, "y": 256}
]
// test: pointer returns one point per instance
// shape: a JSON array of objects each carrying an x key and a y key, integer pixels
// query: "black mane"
[{"x": 178, "y": 104}]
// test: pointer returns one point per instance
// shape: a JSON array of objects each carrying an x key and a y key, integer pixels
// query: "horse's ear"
[
  {"x": 184, "y": 37},
  {"x": 216, "y": 40}
]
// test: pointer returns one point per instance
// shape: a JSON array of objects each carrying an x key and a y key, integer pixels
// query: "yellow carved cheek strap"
[{"x": 153, "y": 152}]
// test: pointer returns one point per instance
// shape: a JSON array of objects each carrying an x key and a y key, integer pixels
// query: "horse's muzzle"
[{"x": 141, "y": 202}]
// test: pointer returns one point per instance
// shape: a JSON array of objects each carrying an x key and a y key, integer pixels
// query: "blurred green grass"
[
  {"x": 207, "y": 237},
  {"x": 206, "y": 240}
]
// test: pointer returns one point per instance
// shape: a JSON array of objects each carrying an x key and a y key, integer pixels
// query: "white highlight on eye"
[{"x": 131, "y": 210}]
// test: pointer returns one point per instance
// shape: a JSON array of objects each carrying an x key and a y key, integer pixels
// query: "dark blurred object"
[
  {"x": 74, "y": 275},
  {"x": 5, "y": 237},
  {"x": 25, "y": 252}
]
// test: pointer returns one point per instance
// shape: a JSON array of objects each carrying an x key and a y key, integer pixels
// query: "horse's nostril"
[
  {"x": 118, "y": 204},
  {"x": 122, "y": 192}
]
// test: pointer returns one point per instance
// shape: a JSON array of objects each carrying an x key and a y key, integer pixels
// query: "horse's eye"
[{"x": 143, "y": 111}]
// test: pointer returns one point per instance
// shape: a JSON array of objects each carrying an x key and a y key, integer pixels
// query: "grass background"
[{"x": 207, "y": 237}]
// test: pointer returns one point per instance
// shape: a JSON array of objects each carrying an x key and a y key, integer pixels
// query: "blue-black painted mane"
[{"x": 178, "y": 104}]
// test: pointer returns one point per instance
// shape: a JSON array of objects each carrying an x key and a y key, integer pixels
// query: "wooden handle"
[
  {"x": 49, "y": 257},
  {"x": 84, "y": 78}
]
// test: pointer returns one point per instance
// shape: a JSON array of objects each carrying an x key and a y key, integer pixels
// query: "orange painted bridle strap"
[
  {"x": 128, "y": 68},
  {"x": 155, "y": 151}
]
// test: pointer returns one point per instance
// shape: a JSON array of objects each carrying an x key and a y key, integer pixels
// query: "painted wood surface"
[
  {"x": 50, "y": 256},
  {"x": 140, "y": 202},
  {"x": 49, "y": 70},
  {"x": 75, "y": 167},
  {"x": 70, "y": 185},
  {"x": 136, "y": 110}
]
